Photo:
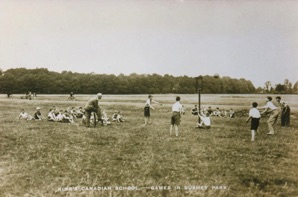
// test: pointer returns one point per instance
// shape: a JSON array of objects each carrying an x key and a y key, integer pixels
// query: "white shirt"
[
  {"x": 206, "y": 120},
  {"x": 270, "y": 105},
  {"x": 24, "y": 115},
  {"x": 148, "y": 103},
  {"x": 51, "y": 115},
  {"x": 177, "y": 107},
  {"x": 254, "y": 113},
  {"x": 59, "y": 117}
]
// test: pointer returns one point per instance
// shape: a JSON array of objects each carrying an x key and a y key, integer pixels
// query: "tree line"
[
  {"x": 43, "y": 81},
  {"x": 286, "y": 88}
]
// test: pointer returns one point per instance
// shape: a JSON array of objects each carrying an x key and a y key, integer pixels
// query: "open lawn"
[{"x": 40, "y": 158}]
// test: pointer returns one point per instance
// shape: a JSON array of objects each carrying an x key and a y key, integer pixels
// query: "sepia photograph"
[{"x": 148, "y": 98}]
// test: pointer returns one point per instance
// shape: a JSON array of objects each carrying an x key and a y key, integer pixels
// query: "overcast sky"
[{"x": 255, "y": 40}]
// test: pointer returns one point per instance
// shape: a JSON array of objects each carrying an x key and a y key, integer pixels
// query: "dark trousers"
[
  {"x": 285, "y": 116},
  {"x": 88, "y": 115}
]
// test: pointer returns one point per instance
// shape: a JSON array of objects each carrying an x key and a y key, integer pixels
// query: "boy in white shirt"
[
  {"x": 25, "y": 116},
  {"x": 118, "y": 117},
  {"x": 52, "y": 116},
  {"x": 147, "y": 109},
  {"x": 255, "y": 116},
  {"x": 177, "y": 110},
  {"x": 273, "y": 111},
  {"x": 205, "y": 121}
]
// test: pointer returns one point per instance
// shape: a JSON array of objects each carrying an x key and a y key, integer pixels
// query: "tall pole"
[
  {"x": 199, "y": 109},
  {"x": 199, "y": 88}
]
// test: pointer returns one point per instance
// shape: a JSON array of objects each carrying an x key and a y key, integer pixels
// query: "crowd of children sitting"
[
  {"x": 205, "y": 114},
  {"x": 217, "y": 112},
  {"x": 69, "y": 115}
]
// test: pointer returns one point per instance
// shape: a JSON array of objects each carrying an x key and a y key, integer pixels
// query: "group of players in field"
[{"x": 92, "y": 112}]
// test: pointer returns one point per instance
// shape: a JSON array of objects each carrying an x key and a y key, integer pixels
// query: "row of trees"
[
  {"x": 42, "y": 81},
  {"x": 286, "y": 88}
]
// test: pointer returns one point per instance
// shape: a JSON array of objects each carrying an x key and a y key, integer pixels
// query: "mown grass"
[{"x": 39, "y": 157}]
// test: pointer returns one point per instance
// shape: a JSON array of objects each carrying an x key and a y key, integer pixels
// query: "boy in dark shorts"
[
  {"x": 147, "y": 109},
  {"x": 177, "y": 110},
  {"x": 254, "y": 115}
]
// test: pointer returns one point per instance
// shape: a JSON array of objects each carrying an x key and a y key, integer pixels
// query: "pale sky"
[{"x": 255, "y": 40}]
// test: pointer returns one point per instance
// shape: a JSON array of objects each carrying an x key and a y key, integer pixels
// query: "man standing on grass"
[
  {"x": 271, "y": 109},
  {"x": 92, "y": 106},
  {"x": 177, "y": 110}
]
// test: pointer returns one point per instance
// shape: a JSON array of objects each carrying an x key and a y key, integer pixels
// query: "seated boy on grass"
[
  {"x": 205, "y": 121},
  {"x": 25, "y": 116}
]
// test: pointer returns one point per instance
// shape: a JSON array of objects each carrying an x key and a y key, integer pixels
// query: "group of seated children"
[
  {"x": 117, "y": 117},
  {"x": 69, "y": 115},
  {"x": 61, "y": 116},
  {"x": 217, "y": 112},
  {"x": 205, "y": 114},
  {"x": 65, "y": 116}
]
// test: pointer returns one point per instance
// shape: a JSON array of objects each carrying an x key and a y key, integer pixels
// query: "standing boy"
[
  {"x": 254, "y": 115},
  {"x": 147, "y": 109},
  {"x": 273, "y": 111},
  {"x": 177, "y": 110}
]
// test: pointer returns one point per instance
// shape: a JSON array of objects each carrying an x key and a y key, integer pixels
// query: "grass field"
[{"x": 40, "y": 158}]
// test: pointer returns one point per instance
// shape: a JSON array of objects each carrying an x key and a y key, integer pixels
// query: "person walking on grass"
[
  {"x": 177, "y": 110},
  {"x": 271, "y": 109},
  {"x": 147, "y": 108},
  {"x": 254, "y": 115},
  {"x": 92, "y": 106}
]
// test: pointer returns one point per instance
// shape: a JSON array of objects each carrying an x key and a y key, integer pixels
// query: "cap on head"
[
  {"x": 37, "y": 108},
  {"x": 99, "y": 95}
]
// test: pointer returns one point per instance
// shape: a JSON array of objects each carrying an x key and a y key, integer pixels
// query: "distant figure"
[
  {"x": 285, "y": 112},
  {"x": 9, "y": 95},
  {"x": 105, "y": 118},
  {"x": 37, "y": 114},
  {"x": 232, "y": 113},
  {"x": 71, "y": 97},
  {"x": 194, "y": 111},
  {"x": 92, "y": 106},
  {"x": 80, "y": 112},
  {"x": 118, "y": 117},
  {"x": 209, "y": 110},
  {"x": 25, "y": 116},
  {"x": 223, "y": 113},
  {"x": 29, "y": 95},
  {"x": 217, "y": 112},
  {"x": 147, "y": 109},
  {"x": 205, "y": 121},
  {"x": 255, "y": 116},
  {"x": 271, "y": 109},
  {"x": 64, "y": 117},
  {"x": 68, "y": 117},
  {"x": 52, "y": 116},
  {"x": 177, "y": 110}
]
